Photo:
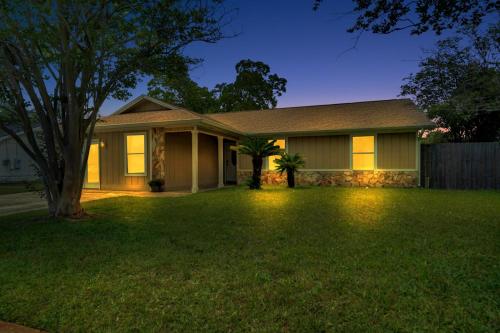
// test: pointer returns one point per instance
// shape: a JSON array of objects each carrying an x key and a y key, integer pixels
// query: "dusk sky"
[{"x": 310, "y": 49}]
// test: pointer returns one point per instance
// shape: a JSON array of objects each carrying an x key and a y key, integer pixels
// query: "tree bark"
[
  {"x": 68, "y": 204},
  {"x": 257, "y": 172},
  {"x": 290, "y": 177}
]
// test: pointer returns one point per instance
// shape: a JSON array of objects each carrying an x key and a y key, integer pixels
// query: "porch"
[{"x": 193, "y": 158}]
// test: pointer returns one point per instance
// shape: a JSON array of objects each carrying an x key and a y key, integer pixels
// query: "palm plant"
[
  {"x": 289, "y": 164},
  {"x": 258, "y": 149}
]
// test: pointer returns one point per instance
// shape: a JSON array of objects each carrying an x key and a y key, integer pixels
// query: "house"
[
  {"x": 15, "y": 165},
  {"x": 371, "y": 143}
]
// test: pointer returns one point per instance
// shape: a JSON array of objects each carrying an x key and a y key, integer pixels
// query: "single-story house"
[
  {"x": 16, "y": 165},
  {"x": 371, "y": 143}
]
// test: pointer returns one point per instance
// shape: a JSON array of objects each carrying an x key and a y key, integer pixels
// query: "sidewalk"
[
  {"x": 28, "y": 201},
  {"x": 14, "y": 328}
]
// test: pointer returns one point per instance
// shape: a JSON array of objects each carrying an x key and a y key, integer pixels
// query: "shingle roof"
[
  {"x": 388, "y": 114},
  {"x": 149, "y": 117},
  {"x": 371, "y": 115}
]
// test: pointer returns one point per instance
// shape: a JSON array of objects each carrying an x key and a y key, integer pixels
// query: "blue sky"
[{"x": 309, "y": 49}]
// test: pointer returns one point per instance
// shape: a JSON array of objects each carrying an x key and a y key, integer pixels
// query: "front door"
[{"x": 93, "y": 179}]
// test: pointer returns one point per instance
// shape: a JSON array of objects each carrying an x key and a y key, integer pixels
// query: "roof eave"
[
  {"x": 176, "y": 123},
  {"x": 344, "y": 131},
  {"x": 168, "y": 124}
]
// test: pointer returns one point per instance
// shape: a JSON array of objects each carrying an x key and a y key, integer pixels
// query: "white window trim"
[
  {"x": 375, "y": 153},
  {"x": 145, "y": 173}
]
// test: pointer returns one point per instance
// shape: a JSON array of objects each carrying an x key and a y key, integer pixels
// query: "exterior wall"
[
  {"x": 177, "y": 161},
  {"x": 15, "y": 164},
  {"x": 397, "y": 151},
  {"x": 171, "y": 158},
  {"x": 341, "y": 178},
  {"x": 328, "y": 162},
  {"x": 112, "y": 163},
  {"x": 322, "y": 152},
  {"x": 145, "y": 106},
  {"x": 244, "y": 162},
  {"x": 208, "y": 168},
  {"x": 158, "y": 146}
]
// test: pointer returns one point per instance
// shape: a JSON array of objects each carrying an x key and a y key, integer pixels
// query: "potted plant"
[
  {"x": 156, "y": 185},
  {"x": 289, "y": 164}
]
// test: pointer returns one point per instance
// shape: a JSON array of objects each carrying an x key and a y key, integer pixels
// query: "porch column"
[
  {"x": 194, "y": 160},
  {"x": 220, "y": 146}
]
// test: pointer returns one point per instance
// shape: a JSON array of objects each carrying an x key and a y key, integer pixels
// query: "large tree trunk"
[
  {"x": 256, "y": 174},
  {"x": 68, "y": 204}
]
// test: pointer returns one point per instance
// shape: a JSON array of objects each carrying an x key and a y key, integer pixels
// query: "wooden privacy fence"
[{"x": 460, "y": 165}]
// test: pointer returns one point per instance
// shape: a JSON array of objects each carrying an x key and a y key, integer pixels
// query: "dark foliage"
[
  {"x": 386, "y": 16},
  {"x": 458, "y": 86}
]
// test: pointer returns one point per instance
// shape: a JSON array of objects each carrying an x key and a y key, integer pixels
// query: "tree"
[
  {"x": 174, "y": 85},
  {"x": 60, "y": 60},
  {"x": 253, "y": 89},
  {"x": 290, "y": 164},
  {"x": 386, "y": 16},
  {"x": 458, "y": 86},
  {"x": 258, "y": 149}
]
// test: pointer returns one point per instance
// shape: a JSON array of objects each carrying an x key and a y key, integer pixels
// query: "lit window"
[
  {"x": 363, "y": 152},
  {"x": 281, "y": 144},
  {"x": 135, "y": 150}
]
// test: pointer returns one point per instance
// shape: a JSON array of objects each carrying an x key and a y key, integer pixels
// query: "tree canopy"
[
  {"x": 458, "y": 85},
  {"x": 419, "y": 16},
  {"x": 60, "y": 60},
  {"x": 254, "y": 88},
  {"x": 174, "y": 85}
]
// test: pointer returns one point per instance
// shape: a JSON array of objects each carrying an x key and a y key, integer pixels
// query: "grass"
[
  {"x": 303, "y": 260},
  {"x": 11, "y": 188}
]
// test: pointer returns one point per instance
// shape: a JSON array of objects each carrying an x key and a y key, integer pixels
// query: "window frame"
[
  {"x": 125, "y": 157},
  {"x": 374, "y": 135}
]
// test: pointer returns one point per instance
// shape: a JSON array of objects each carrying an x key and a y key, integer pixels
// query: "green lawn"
[
  {"x": 11, "y": 188},
  {"x": 304, "y": 260}
]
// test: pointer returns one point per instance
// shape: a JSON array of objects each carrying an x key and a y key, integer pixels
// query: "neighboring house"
[
  {"x": 352, "y": 144},
  {"x": 15, "y": 164}
]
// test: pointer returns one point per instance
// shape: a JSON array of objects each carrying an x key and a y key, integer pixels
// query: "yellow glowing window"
[
  {"x": 135, "y": 151},
  {"x": 363, "y": 152},
  {"x": 281, "y": 144},
  {"x": 93, "y": 164}
]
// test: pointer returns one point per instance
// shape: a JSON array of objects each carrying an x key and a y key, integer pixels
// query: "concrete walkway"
[
  {"x": 14, "y": 328},
  {"x": 28, "y": 201}
]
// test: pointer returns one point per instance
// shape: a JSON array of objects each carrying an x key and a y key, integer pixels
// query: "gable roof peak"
[{"x": 142, "y": 98}]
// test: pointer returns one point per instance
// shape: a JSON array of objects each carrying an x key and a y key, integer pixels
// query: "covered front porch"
[{"x": 193, "y": 158}]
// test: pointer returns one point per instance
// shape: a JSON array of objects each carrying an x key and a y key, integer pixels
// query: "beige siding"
[
  {"x": 322, "y": 152},
  {"x": 245, "y": 162},
  {"x": 15, "y": 164},
  {"x": 145, "y": 106},
  {"x": 112, "y": 157},
  {"x": 396, "y": 151},
  {"x": 208, "y": 163},
  {"x": 178, "y": 161}
]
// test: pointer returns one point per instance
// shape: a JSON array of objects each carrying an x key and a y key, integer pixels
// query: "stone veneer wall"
[
  {"x": 341, "y": 178},
  {"x": 158, "y": 149}
]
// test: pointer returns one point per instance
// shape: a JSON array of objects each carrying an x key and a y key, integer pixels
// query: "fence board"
[{"x": 461, "y": 165}]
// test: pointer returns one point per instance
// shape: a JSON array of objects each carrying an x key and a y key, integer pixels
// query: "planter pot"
[{"x": 156, "y": 188}]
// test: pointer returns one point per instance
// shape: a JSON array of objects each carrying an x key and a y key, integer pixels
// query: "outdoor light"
[{"x": 101, "y": 144}]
